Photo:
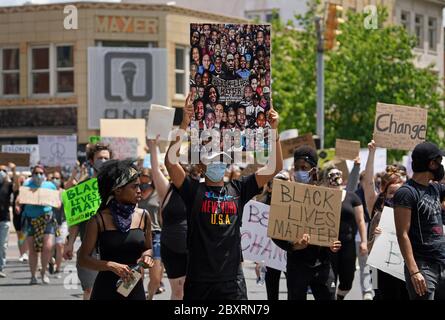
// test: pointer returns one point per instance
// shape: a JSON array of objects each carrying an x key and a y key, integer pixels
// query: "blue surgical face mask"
[
  {"x": 57, "y": 182},
  {"x": 215, "y": 171},
  {"x": 38, "y": 178},
  {"x": 302, "y": 176}
]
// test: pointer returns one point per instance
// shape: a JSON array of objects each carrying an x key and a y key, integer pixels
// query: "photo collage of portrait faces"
[{"x": 230, "y": 82}]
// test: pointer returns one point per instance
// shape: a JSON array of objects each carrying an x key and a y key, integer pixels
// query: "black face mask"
[{"x": 438, "y": 173}]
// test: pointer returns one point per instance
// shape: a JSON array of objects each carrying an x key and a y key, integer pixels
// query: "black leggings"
[
  {"x": 343, "y": 264},
  {"x": 320, "y": 279},
  {"x": 272, "y": 283}
]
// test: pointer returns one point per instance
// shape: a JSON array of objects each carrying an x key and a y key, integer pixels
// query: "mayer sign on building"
[{"x": 123, "y": 82}]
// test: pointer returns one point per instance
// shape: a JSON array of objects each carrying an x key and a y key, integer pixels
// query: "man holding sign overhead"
[
  {"x": 214, "y": 214},
  {"x": 307, "y": 264}
]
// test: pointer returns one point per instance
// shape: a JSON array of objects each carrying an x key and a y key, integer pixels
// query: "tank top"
[{"x": 174, "y": 222}]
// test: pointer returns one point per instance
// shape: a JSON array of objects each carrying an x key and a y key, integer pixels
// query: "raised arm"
[
  {"x": 160, "y": 181},
  {"x": 354, "y": 176},
  {"x": 175, "y": 171},
  {"x": 275, "y": 161},
  {"x": 368, "y": 178}
]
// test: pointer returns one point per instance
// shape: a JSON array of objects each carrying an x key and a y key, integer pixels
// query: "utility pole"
[{"x": 320, "y": 80}]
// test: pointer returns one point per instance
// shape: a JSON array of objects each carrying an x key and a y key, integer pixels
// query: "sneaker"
[
  {"x": 51, "y": 265},
  {"x": 24, "y": 257},
  {"x": 57, "y": 274},
  {"x": 33, "y": 281},
  {"x": 367, "y": 296},
  {"x": 45, "y": 279},
  {"x": 2, "y": 274}
]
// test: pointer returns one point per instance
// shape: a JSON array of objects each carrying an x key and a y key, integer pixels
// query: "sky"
[{"x": 20, "y": 2}]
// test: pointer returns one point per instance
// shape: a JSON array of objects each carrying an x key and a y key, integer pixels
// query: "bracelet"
[{"x": 415, "y": 273}]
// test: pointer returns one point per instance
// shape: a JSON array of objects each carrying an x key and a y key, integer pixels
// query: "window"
[
  {"x": 419, "y": 30},
  {"x": 270, "y": 16},
  {"x": 432, "y": 34},
  {"x": 181, "y": 70},
  {"x": 263, "y": 15},
  {"x": 405, "y": 20},
  {"x": 52, "y": 70},
  {"x": 10, "y": 73},
  {"x": 40, "y": 70},
  {"x": 65, "y": 69}
]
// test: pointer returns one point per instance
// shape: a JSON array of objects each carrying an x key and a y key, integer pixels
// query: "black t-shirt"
[
  {"x": 214, "y": 238},
  {"x": 348, "y": 225},
  {"x": 5, "y": 200},
  {"x": 426, "y": 230}
]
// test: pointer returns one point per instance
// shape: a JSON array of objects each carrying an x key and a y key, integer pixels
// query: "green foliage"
[{"x": 369, "y": 66}]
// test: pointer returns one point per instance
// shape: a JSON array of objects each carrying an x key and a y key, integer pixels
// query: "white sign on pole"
[
  {"x": 58, "y": 150},
  {"x": 32, "y": 149},
  {"x": 255, "y": 243},
  {"x": 124, "y": 82},
  {"x": 385, "y": 254}
]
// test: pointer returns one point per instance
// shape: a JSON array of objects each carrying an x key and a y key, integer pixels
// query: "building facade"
[
  {"x": 261, "y": 10},
  {"x": 422, "y": 18},
  {"x": 44, "y": 66}
]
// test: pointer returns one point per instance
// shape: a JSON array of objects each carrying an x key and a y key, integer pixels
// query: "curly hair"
[{"x": 92, "y": 149}]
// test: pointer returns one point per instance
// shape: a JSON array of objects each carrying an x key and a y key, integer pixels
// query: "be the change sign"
[
  {"x": 298, "y": 208},
  {"x": 255, "y": 243},
  {"x": 81, "y": 202},
  {"x": 399, "y": 127}
]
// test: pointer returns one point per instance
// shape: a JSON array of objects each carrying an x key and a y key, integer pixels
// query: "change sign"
[
  {"x": 81, "y": 202},
  {"x": 399, "y": 127},
  {"x": 298, "y": 208}
]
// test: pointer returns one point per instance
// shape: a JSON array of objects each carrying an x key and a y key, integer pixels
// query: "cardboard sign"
[
  {"x": 385, "y": 254},
  {"x": 298, "y": 208},
  {"x": 288, "y": 146},
  {"x": 31, "y": 149},
  {"x": 81, "y": 202},
  {"x": 39, "y": 197},
  {"x": 160, "y": 122},
  {"x": 122, "y": 148},
  {"x": 347, "y": 149},
  {"x": 126, "y": 128},
  {"x": 19, "y": 159},
  {"x": 58, "y": 150},
  {"x": 399, "y": 127},
  {"x": 255, "y": 243}
]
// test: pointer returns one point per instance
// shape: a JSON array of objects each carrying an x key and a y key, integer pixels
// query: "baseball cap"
[
  {"x": 266, "y": 90},
  {"x": 229, "y": 57},
  {"x": 423, "y": 153},
  {"x": 307, "y": 153}
]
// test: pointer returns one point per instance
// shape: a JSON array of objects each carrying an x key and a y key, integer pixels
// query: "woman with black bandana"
[{"x": 121, "y": 231}]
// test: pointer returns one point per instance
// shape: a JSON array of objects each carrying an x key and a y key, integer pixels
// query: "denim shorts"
[{"x": 156, "y": 239}]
